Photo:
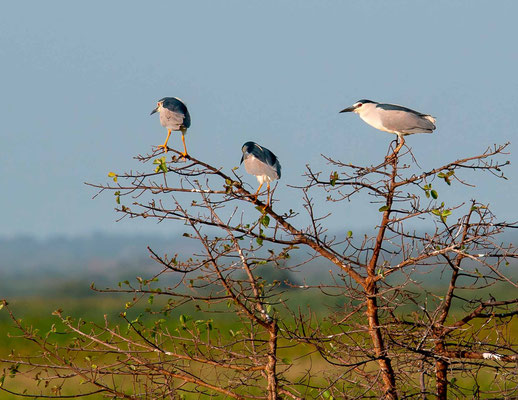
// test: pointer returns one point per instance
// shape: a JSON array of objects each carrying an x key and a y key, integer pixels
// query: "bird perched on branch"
[
  {"x": 262, "y": 163},
  {"x": 175, "y": 117},
  {"x": 392, "y": 118}
]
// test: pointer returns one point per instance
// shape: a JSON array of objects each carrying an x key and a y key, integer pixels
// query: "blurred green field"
[{"x": 37, "y": 312}]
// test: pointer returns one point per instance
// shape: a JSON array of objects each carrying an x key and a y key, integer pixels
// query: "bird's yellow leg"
[
  {"x": 268, "y": 194},
  {"x": 401, "y": 143},
  {"x": 258, "y": 189},
  {"x": 164, "y": 146},
  {"x": 184, "y": 147}
]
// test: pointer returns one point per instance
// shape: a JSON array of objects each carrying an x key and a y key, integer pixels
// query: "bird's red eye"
[{"x": 360, "y": 104}]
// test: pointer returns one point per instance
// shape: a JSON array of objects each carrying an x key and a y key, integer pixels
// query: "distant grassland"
[{"x": 37, "y": 312}]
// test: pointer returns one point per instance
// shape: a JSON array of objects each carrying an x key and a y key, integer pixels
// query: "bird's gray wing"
[
  {"x": 177, "y": 106},
  {"x": 404, "y": 120},
  {"x": 277, "y": 167},
  {"x": 187, "y": 119}
]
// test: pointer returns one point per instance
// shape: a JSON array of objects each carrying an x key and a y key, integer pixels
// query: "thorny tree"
[{"x": 394, "y": 334}]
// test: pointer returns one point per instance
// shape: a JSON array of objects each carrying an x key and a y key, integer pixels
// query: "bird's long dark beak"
[
  {"x": 348, "y": 109},
  {"x": 242, "y": 158},
  {"x": 154, "y": 111}
]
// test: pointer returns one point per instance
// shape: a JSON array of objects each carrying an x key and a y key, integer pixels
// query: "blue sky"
[{"x": 80, "y": 79}]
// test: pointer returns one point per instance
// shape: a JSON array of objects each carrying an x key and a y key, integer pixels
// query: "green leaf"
[
  {"x": 384, "y": 208},
  {"x": 259, "y": 241},
  {"x": 436, "y": 212},
  {"x": 427, "y": 189},
  {"x": 150, "y": 299},
  {"x": 333, "y": 178},
  {"x": 265, "y": 220},
  {"x": 349, "y": 234},
  {"x": 434, "y": 194}
]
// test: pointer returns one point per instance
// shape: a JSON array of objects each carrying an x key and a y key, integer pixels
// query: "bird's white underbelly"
[
  {"x": 170, "y": 120},
  {"x": 263, "y": 172},
  {"x": 263, "y": 178},
  {"x": 375, "y": 122}
]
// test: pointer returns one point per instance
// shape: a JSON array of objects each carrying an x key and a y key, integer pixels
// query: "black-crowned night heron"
[
  {"x": 392, "y": 118},
  {"x": 174, "y": 116},
  {"x": 262, "y": 163}
]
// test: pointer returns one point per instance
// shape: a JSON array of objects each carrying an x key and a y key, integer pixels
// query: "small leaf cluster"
[
  {"x": 442, "y": 212},
  {"x": 428, "y": 191},
  {"x": 161, "y": 165},
  {"x": 113, "y": 175},
  {"x": 446, "y": 176},
  {"x": 333, "y": 178}
]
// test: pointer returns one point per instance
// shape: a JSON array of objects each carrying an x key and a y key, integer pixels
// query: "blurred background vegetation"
[{"x": 42, "y": 275}]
